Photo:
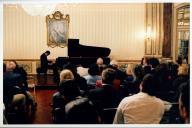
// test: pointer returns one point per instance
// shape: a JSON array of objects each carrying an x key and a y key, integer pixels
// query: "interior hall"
[{"x": 96, "y": 63}]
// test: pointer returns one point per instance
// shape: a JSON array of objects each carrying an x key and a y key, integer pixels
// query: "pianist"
[{"x": 47, "y": 64}]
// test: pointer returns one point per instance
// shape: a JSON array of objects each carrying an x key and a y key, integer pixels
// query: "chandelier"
[{"x": 38, "y": 9}]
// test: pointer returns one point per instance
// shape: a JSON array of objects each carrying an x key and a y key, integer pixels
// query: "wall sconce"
[{"x": 148, "y": 32}]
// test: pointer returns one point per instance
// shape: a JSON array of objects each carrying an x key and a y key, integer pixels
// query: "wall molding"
[{"x": 21, "y": 59}]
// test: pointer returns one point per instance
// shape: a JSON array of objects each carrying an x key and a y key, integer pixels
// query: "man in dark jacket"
[
  {"x": 13, "y": 95},
  {"x": 106, "y": 96},
  {"x": 47, "y": 64}
]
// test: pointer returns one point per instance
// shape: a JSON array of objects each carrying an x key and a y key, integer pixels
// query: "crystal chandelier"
[{"x": 38, "y": 9}]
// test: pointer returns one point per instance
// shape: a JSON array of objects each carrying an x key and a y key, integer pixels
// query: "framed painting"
[{"x": 57, "y": 29}]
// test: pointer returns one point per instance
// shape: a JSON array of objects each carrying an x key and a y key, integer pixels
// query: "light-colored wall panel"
[
  {"x": 117, "y": 26},
  {"x": 154, "y": 19}
]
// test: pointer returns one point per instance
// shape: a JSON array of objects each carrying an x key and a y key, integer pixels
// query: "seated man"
[
  {"x": 106, "y": 96},
  {"x": 141, "y": 108},
  {"x": 184, "y": 106},
  {"x": 47, "y": 64},
  {"x": 99, "y": 62},
  {"x": 14, "y": 86}
]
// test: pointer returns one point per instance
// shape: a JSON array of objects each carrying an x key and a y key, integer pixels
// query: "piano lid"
[{"x": 77, "y": 50}]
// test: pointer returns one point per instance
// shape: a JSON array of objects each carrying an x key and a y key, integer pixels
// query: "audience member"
[
  {"x": 144, "y": 61},
  {"x": 57, "y": 99},
  {"x": 93, "y": 75},
  {"x": 12, "y": 94},
  {"x": 138, "y": 73},
  {"x": 173, "y": 69},
  {"x": 121, "y": 75},
  {"x": 141, "y": 108},
  {"x": 114, "y": 63},
  {"x": 99, "y": 62},
  {"x": 162, "y": 78},
  {"x": 106, "y": 96},
  {"x": 153, "y": 62},
  {"x": 184, "y": 102},
  {"x": 66, "y": 75},
  {"x": 80, "y": 80},
  {"x": 76, "y": 109},
  {"x": 182, "y": 77},
  {"x": 23, "y": 75}
]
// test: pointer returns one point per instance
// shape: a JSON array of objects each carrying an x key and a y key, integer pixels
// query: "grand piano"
[{"x": 83, "y": 55}]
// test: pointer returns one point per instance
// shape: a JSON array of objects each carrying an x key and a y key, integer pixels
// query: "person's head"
[
  {"x": 129, "y": 70},
  {"x": 47, "y": 53},
  {"x": 94, "y": 70},
  {"x": 108, "y": 76},
  {"x": 162, "y": 70},
  {"x": 99, "y": 61},
  {"x": 138, "y": 71},
  {"x": 69, "y": 89},
  {"x": 179, "y": 60},
  {"x": 70, "y": 67},
  {"x": 11, "y": 65},
  {"x": 184, "y": 102},
  {"x": 66, "y": 75},
  {"x": 183, "y": 70},
  {"x": 147, "y": 69},
  {"x": 114, "y": 63},
  {"x": 144, "y": 61},
  {"x": 148, "y": 85},
  {"x": 154, "y": 62}
]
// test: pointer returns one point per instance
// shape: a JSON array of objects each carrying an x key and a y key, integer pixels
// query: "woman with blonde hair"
[
  {"x": 57, "y": 98},
  {"x": 183, "y": 76},
  {"x": 66, "y": 75}
]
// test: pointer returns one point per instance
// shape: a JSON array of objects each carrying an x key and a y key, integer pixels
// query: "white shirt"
[
  {"x": 82, "y": 71},
  {"x": 140, "y": 108}
]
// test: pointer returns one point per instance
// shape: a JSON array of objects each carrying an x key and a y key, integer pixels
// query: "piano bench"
[{"x": 41, "y": 76}]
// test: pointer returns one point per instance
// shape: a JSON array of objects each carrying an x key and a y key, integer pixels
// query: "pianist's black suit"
[
  {"x": 44, "y": 62},
  {"x": 45, "y": 66}
]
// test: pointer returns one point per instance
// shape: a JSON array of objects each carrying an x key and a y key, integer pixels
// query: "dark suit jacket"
[
  {"x": 11, "y": 82},
  {"x": 44, "y": 62},
  {"x": 105, "y": 97}
]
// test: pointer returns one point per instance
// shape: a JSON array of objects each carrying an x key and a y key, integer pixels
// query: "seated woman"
[
  {"x": 68, "y": 104},
  {"x": 57, "y": 98}
]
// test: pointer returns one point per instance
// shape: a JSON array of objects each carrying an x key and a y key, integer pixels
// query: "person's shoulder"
[
  {"x": 159, "y": 101},
  {"x": 43, "y": 54},
  {"x": 96, "y": 92}
]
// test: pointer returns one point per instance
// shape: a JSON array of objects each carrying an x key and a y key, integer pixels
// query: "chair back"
[{"x": 108, "y": 115}]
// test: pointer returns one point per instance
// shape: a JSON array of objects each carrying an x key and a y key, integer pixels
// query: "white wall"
[{"x": 117, "y": 26}]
